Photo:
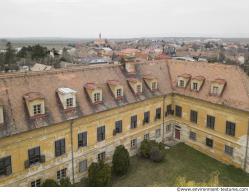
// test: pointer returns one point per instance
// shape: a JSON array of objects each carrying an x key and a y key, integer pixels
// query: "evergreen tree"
[{"x": 120, "y": 160}]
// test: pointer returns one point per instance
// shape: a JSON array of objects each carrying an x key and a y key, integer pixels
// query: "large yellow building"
[{"x": 55, "y": 123}]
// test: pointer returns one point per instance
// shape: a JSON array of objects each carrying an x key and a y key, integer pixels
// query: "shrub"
[
  {"x": 145, "y": 148},
  {"x": 50, "y": 183},
  {"x": 120, "y": 160},
  {"x": 152, "y": 150},
  {"x": 156, "y": 154},
  {"x": 99, "y": 175},
  {"x": 65, "y": 182}
]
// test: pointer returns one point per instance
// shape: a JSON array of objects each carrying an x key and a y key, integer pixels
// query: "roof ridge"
[
  {"x": 56, "y": 71},
  {"x": 243, "y": 78}
]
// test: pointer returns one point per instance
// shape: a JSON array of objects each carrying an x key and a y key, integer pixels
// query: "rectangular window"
[
  {"x": 83, "y": 166},
  {"x": 37, "y": 109},
  {"x": 158, "y": 113},
  {"x": 82, "y": 139},
  {"x": 195, "y": 86},
  {"x": 34, "y": 155},
  {"x": 101, "y": 133},
  {"x": 210, "y": 121},
  {"x": 147, "y": 136},
  {"x": 193, "y": 116},
  {"x": 228, "y": 150},
  {"x": 178, "y": 111},
  {"x": 169, "y": 110},
  {"x": 36, "y": 183},
  {"x": 146, "y": 117},
  {"x": 133, "y": 121},
  {"x": 139, "y": 89},
  {"x": 119, "y": 92},
  {"x": 118, "y": 126},
  {"x": 215, "y": 90},
  {"x": 69, "y": 102},
  {"x": 133, "y": 143},
  {"x": 181, "y": 83},
  {"x": 96, "y": 97},
  {"x": 5, "y": 166},
  {"x": 192, "y": 135},
  {"x": 101, "y": 156},
  {"x": 154, "y": 86},
  {"x": 168, "y": 128},
  {"x": 230, "y": 128},
  {"x": 60, "y": 147},
  {"x": 209, "y": 142},
  {"x": 158, "y": 133},
  {"x": 62, "y": 174}
]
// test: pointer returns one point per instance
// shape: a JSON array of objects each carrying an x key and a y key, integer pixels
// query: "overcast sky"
[{"x": 124, "y": 18}]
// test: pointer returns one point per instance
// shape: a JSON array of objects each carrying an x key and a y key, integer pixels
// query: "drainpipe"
[
  {"x": 246, "y": 154},
  {"x": 72, "y": 155},
  {"x": 164, "y": 97}
]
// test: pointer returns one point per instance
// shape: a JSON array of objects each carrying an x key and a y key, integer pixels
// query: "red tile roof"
[{"x": 33, "y": 96}]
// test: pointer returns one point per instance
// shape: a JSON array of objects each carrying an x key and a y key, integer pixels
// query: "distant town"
[{"x": 48, "y": 54}]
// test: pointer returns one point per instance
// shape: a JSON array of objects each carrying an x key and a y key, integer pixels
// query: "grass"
[{"x": 180, "y": 161}]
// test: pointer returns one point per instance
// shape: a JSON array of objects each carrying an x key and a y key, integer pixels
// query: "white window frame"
[
  {"x": 36, "y": 183},
  {"x": 119, "y": 92},
  {"x": 37, "y": 109},
  {"x": 69, "y": 102},
  {"x": 96, "y": 97}
]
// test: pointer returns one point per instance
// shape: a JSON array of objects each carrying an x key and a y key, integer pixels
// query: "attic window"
[
  {"x": 96, "y": 97},
  {"x": 139, "y": 89},
  {"x": 70, "y": 102},
  {"x": 215, "y": 90},
  {"x": 116, "y": 88},
  {"x": 67, "y": 97},
  {"x": 181, "y": 83},
  {"x": 119, "y": 93},
  {"x": 37, "y": 109},
  {"x": 35, "y": 103},
  {"x": 195, "y": 86},
  {"x": 154, "y": 85}
]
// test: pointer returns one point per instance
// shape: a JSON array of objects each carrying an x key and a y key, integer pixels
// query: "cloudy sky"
[{"x": 124, "y": 18}]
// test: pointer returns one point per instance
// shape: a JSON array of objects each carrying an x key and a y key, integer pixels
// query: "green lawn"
[{"x": 183, "y": 161}]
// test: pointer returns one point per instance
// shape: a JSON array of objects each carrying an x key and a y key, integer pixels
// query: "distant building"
[{"x": 40, "y": 67}]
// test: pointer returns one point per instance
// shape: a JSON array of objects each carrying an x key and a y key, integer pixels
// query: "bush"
[
  {"x": 152, "y": 150},
  {"x": 145, "y": 148},
  {"x": 99, "y": 175},
  {"x": 50, "y": 183},
  {"x": 65, "y": 182},
  {"x": 120, "y": 160},
  {"x": 156, "y": 154}
]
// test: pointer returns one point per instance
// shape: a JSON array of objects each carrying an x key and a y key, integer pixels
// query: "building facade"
[{"x": 55, "y": 124}]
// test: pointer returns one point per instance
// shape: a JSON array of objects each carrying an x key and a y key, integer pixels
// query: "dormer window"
[
  {"x": 35, "y": 104},
  {"x": 119, "y": 93},
  {"x": 197, "y": 82},
  {"x": 94, "y": 92},
  {"x": 181, "y": 83},
  {"x": 37, "y": 109},
  {"x": 151, "y": 82},
  {"x": 136, "y": 86},
  {"x": 139, "y": 88},
  {"x": 116, "y": 88},
  {"x": 217, "y": 87},
  {"x": 182, "y": 80},
  {"x": 96, "y": 97},
  {"x": 70, "y": 102},
  {"x": 154, "y": 85},
  {"x": 215, "y": 90},
  {"x": 195, "y": 86},
  {"x": 67, "y": 97}
]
